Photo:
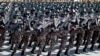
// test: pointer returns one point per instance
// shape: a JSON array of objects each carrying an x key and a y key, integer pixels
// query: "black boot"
[
  {"x": 58, "y": 54},
  {"x": 11, "y": 48},
  {"x": 99, "y": 47},
  {"x": 92, "y": 48},
  {"x": 22, "y": 53},
  {"x": 20, "y": 46},
  {"x": 43, "y": 50},
  {"x": 66, "y": 52},
  {"x": 38, "y": 54},
  {"x": 12, "y": 54},
  {"x": 30, "y": 44},
  {"x": 33, "y": 50},
  {"x": 49, "y": 54},
  {"x": 77, "y": 51},
  {"x": 85, "y": 50}
]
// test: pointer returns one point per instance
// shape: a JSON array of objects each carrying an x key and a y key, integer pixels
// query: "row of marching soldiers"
[{"x": 44, "y": 23}]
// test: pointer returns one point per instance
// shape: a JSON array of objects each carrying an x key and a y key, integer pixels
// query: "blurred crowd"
[{"x": 44, "y": 23}]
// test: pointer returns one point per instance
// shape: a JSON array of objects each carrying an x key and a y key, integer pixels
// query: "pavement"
[{"x": 7, "y": 52}]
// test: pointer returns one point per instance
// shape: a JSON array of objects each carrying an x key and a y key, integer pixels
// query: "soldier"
[
  {"x": 53, "y": 38},
  {"x": 63, "y": 35},
  {"x": 15, "y": 40},
  {"x": 88, "y": 37},
  {"x": 12, "y": 26},
  {"x": 25, "y": 38},
  {"x": 73, "y": 33},
  {"x": 95, "y": 37},
  {"x": 40, "y": 39},
  {"x": 80, "y": 36},
  {"x": 2, "y": 33},
  {"x": 89, "y": 33}
]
